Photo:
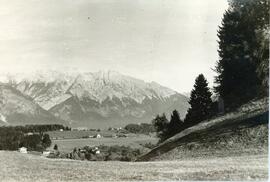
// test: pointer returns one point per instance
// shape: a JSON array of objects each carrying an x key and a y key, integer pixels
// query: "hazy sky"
[{"x": 169, "y": 42}]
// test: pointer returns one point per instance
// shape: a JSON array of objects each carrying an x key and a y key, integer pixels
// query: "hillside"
[
  {"x": 18, "y": 109},
  {"x": 100, "y": 99},
  {"x": 242, "y": 132}
]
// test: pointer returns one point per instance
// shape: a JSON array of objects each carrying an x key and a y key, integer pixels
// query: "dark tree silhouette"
[
  {"x": 46, "y": 141},
  {"x": 200, "y": 103},
  {"x": 243, "y": 51},
  {"x": 30, "y": 136},
  {"x": 55, "y": 147},
  {"x": 175, "y": 125},
  {"x": 161, "y": 125}
]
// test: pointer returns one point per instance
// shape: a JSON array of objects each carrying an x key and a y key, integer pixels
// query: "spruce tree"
[
  {"x": 55, "y": 147},
  {"x": 261, "y": 13},
  {"x": 241, "y": 67},
  {"x": 200, "y": 102},
  {"x": 175, "y": 125}
]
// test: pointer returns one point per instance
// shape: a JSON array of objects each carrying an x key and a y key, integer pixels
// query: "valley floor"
[
  {"x": 15, "y": 166},
  {"x": 67, "y": 145}
]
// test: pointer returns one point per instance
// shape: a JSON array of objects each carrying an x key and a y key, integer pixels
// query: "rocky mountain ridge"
[{"x": 87, "y": 98}]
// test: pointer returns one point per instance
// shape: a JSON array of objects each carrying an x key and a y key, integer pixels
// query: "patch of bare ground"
[{"x": 15, "y": 166}]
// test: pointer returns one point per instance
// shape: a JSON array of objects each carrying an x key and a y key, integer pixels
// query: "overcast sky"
[{"x": 169, "y": 42}]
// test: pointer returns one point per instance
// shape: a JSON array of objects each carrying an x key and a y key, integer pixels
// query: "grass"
[
  {"x": 217, "y": 132},
  {"x": 221, "y": 143},
  {"x": 77, "y": 134},
  {"x": 15, "y": 166},
  {"x": 229, "y": 148},
  {"x": 67, "y": 145}
]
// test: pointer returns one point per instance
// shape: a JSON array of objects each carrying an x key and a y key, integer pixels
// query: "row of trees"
[
  {"x": 143, "y": 128},
  {"x": 30, "y": 136},
  {"x": 242, "y": 70},
  {"x": 12, "y": 138},
  {"x": 36, "y": 128},
  {"x": 201, "y": 108}
]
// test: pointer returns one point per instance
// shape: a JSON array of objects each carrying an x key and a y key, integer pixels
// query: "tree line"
[
  {"x": 242, "y": 69},
  {"x": 30, "y": 136},
  {"x": 12, "y": 139},
  {"x": 142, "y": 128},
  {"x": 201, "y": 108},
  {"x": 37, "y": 128}
]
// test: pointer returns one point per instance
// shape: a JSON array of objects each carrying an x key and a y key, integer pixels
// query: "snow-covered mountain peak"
[
  {"x": 54, "y": 86},
  {"x": 86, "y": 98},
  {"x": 103, "y": 84}
]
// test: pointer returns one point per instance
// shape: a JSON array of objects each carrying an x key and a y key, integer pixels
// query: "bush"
[
  {"x": 143, "y": 128},
  {"x": 107, "y": 153}
]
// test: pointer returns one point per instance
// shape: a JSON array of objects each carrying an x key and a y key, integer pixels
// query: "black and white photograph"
[{"x": 134, "y": 90}]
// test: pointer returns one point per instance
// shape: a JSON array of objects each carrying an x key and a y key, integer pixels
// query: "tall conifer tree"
[
  {"x": 242, "y": 66},
  {"x": 200, "y": 102},
  {"x": 175, "y": 125}
]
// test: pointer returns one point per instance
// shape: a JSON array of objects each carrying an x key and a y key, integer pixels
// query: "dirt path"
[{"x": 24, "y": 167}]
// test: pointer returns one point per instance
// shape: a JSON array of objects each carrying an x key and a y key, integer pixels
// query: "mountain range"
[
  {"x": 94, "y": 100},
  {"x": 18, "y": 109}
]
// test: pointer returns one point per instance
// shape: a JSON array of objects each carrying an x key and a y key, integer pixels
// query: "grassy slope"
[
  {"x": 206, "y": 137},
  {"x": 236, "y": 142},
  {"x": 15, "y": 166}
]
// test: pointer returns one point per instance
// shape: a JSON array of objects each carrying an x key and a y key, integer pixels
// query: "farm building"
[
  {"x": 23, "y": 150},
  {"x": 46, "y": 153},
  {"x": 97, "y": 136}
]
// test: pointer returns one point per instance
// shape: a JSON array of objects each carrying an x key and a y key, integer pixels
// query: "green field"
[
  {"x": 15, "y": 166},
  {"x": 78, "y": 134},
  {"x": 67, "y": 145}
]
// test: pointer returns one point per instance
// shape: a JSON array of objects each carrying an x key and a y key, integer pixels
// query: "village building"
[
  {"x": 23, "y": 150},
  {"x": 46, "y": 153},
  {"x": 98, "y": 136}
]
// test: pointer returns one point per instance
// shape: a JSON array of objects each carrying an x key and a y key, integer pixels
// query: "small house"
[
  {"x": 23, "y": 150},
  {"x": 98, "y": 136},
  {"x": 96, "y": 150},
  {"x": 46, "y": 153}
]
